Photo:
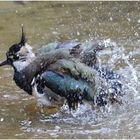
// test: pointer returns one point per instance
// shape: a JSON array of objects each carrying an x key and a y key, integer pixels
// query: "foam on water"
[{"x": 100, "y": 120}]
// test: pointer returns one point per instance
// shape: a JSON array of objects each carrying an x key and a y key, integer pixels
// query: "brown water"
[{"x": 117, "y": 24}]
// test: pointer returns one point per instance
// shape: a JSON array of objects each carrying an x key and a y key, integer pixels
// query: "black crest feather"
[{"x": 23, "y": 39}]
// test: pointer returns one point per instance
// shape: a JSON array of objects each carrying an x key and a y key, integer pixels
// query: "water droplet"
[
  {"x": 78, "y": 33},
  {"x": 111, "y": 18},
  {"x": 1, "y": 119},
  {"x": 57, "y": 128}
]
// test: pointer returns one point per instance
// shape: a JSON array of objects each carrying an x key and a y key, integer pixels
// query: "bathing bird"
[{"x": 67, "y": 69}]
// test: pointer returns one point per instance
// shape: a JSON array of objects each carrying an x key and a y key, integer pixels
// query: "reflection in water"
[{"x": 116, "y": 24}]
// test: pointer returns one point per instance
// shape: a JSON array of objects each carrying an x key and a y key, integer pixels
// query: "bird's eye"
[
  {"x": 16, "y": 57},
  {"x": 12, "y": 56}
]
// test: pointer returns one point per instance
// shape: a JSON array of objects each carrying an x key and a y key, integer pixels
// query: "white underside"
[{"x": 41, "y": 98}]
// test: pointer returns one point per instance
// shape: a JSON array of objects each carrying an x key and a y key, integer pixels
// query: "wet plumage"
[{"x": 68, "y": 69}]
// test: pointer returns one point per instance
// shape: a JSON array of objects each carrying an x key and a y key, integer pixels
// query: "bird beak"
[{"x": 4, "y": 63}]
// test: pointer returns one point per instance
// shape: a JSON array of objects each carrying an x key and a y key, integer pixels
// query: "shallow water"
[{"x": 117, "y": 24}]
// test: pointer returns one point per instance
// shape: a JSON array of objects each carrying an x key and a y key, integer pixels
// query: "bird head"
[{"x": 19, "y": 54}]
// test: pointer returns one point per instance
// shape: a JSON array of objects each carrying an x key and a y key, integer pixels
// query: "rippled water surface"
[{"x": 117, "y": 24}]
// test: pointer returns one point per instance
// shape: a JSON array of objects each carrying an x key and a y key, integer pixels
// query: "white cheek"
[
  {"x": 29, "y": 50},
  {"x": 26, "y": 51},
  {"x": 19, "y": 65}
]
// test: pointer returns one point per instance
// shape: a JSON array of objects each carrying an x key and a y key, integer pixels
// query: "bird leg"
[{"x": 73, "y": 99}]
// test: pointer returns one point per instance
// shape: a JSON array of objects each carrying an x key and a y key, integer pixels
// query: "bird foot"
[{"x": 73, "y": 100}]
